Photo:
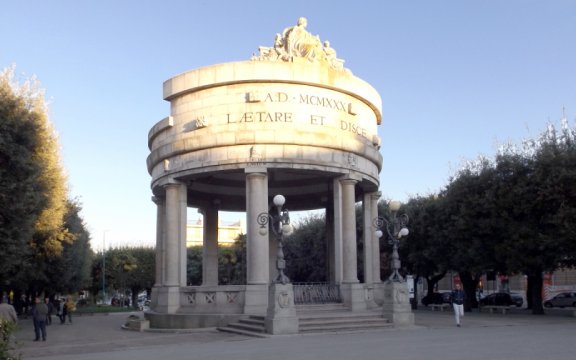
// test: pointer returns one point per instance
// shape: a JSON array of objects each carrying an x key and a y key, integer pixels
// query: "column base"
[
  {"x": 281, "y": 314},
  {"x": 166, "y": 299},
  {"x": 396, "y": 307},
  {"x": 369, "y": 296},
  {"x": 354, "y": 296},
  {"x": 256, "y": 299},
  {"x": 379, "y": 293}
]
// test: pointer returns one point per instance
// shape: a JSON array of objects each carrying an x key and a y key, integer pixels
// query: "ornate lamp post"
[
  {"x": 396, "y": 229},
  {"x": 280, "y": 224}
]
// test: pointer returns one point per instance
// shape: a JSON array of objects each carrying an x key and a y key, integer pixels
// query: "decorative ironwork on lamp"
[
  {"x": 280, "y": 224},
  {"x": 395, "y": 229}
]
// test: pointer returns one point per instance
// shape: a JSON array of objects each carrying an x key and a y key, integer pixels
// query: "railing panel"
[
  {"x": 316, "y": 293},
  {"x": 212, "y": 299}
]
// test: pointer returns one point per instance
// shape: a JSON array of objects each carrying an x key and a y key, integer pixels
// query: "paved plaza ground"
[{"x": 518, "y": 335}]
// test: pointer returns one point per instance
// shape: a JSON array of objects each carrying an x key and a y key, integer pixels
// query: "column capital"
[
  {"x": 348, "y": 181},
  {"x": 173, "y": 182},
  {"x": 375, "y": 196},
  {"x": 158, "y": 200},
  {"x": 350, "y": 177},
  {"x": 255, "y": 170}
]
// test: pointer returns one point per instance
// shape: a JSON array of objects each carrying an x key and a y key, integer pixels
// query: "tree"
[
  {"x": 194, "y": 265},
  {"x": 33, "y": 191},
  {"x": 232, "y": 262},
  {"x": 472, "y": 226},
  {"x": 426, "y": 251},
  {"x": 541, "y": 208},
  {"x": 21, "y": 200},
  {"x": 516, "y": 214},
  {"x": 70, "y": 272},
  {"x": 305, "y": 251},
  {"x": 140, "y": 271}
]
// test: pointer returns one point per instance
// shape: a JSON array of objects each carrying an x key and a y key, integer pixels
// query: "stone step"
[
  {"x": 341, "y": 320},
  {"x": 316, "y": 308},
  {"x": 316, "y": 319},
  {"x": 250, "y": 326},
  {"x": 253, "y": 320},
  {"x": 337, "y": 318},
  {"x": 242, "y": 332},
  {"x": 351, "y": 327}
]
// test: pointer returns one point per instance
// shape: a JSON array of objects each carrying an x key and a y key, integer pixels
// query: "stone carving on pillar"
[
  {"x": 255, "y": 158},
  {"x": 296, "y": 42}
]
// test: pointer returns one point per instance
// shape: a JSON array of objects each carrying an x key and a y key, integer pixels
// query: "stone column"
[
  {"x": 160, "y": 248},
  {"x": 182, "y": 232},
  {"x": 373, "y": 288},
  {"x": 368, "y": 234},
  {"x": 375, "y": 240},
  {"x": 350, "y": 273},
  {"x": 174, "y": 239},
  {"x": 336, "y": 221},
  {"x": 210, "y": 249},
  {"x": 353, "y": 293},
  {"x": 257, "y": 249},
  {"x": 330, "y": 244},
  {"x": 376, "y": 279},
  {"x": 160, "y": 252},
  {"x": 174, "y": 233}
]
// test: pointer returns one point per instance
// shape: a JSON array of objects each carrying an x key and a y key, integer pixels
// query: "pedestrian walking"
[
  {"x": 62, "y": 310},
  {"x": 50, "y": 306},
  {"x": 69, "y": 307},
  {"x": 458, "y": 297},
  {"x": 7, "y": 315},
  {"x": 39, "y": 312}
]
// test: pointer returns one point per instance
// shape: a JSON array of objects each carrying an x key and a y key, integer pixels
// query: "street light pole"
[
  {"x": 395, "y": 229},
  {"x": 104, "y": 266},
  {"x": 280, "y": 225}
]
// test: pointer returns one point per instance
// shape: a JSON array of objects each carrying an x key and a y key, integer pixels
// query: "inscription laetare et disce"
[{"x": 301, "y": 102}]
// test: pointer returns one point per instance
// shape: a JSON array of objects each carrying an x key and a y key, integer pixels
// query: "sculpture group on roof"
[{"x": 297, "y": 42}]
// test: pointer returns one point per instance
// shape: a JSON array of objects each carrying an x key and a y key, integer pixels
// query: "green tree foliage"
[
  {"x": 516, "y": 214},
  {"x": 305, "y": 251},
  {"x": 232, "y": 262},
  {"x": 33, "y": 191},
  {"x": 139, "y": 271},
  {"x": 127, "y": 271},
  {"x": 540, "y": 210},
  {"x": 426, "y": 252},
  {"x": 194, "y": 265},
  {"x": 471, "y": 226},
  {"x": 70, "y": 271},
  {"x": 21, "y": 200}
]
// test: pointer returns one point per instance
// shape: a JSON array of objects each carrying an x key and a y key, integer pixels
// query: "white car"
[{"x": 562, "y": 300}]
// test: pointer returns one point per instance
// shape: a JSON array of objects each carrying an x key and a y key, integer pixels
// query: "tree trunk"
[
  {"x": 535, "y": 285},
  {"x": 432, "y": 281},
  {"x": 470, "y": 284},
  {"x": 135, "y": 291}
]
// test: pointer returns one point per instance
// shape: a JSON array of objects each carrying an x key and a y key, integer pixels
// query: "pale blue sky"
[{"x": 456, "y": 78}]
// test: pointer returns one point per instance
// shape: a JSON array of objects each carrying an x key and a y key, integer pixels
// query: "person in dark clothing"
[
  {"x": 63, "y": 311},
  {"x": 458, "y": 297},
  {"x": 39, "y": 313},
  {"x": 50, "y": 306}
]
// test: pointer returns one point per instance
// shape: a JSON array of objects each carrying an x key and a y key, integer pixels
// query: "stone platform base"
[{"x": 188, "y": 321}]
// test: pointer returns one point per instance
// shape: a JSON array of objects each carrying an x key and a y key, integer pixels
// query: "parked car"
[
  {"x": 437, "y": 298},
  {"x": 517, "y": 299},
  {"x": 562, "y": 300},
  {"x": 497, "y": 299},
  {"x": 434, "y": 298}
]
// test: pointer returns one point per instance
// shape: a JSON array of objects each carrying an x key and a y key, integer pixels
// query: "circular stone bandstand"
[{"x": 294, "y": 121}]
